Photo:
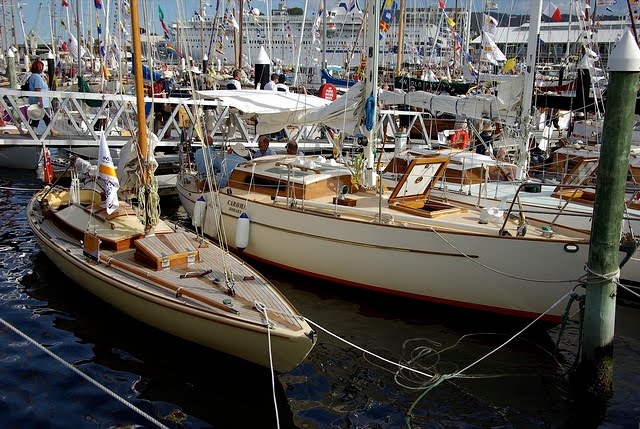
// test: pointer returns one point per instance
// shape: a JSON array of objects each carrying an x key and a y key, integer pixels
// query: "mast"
[
  {"x": 137, "y": 67},
  {"x": 4, "y": 29},
  {"x": 400, "y": 37},
  {"x": 13, "y": 20},
  {"x": 324, "y": 35},
  {"x": 527, "y": 101},
  {"x": 201, "y": 19},
  {"x": 241, "y": 31},
  {"x": 372, "y": 43}
]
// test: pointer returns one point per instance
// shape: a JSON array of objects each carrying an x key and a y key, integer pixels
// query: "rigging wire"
[{"x": 83, "y": 375}]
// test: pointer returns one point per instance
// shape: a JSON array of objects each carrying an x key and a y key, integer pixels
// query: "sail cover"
[
  {"x": 503, "y": 108},
  {"x": 274, "y": 110}
]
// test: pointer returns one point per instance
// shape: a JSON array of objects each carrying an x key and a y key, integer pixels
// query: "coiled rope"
[
  {"x": 437, "y": 378},
  {"x": 83, "y": 375}
]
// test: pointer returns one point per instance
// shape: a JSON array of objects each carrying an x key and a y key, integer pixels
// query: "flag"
[
  {"x": 63, "y": 24},
  {"x": 74, "y": 48},
  {"x": 164, "y": 27},
  {"x": 160, "y": 13},
  {"x": 107, "y": 172},
  {"x": 509, "y": 65},
  {"x": 65, "y": 3},
  {"x": 490, "y": 51},
  {"x": 174, "y": 51},
  {"x": 98, "y": 4},
  {"x": 490, "y": 24},
  {"x": 98, "y": 25},
  {"x": 552, "y": 12},
  {"x": 48, "y": 166},
  {"x": 235, "y": 23}
]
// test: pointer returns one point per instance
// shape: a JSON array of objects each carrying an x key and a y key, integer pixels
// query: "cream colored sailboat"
[
  {"x": 161, "y": 274},
  {"x": 333, "y": 221}
]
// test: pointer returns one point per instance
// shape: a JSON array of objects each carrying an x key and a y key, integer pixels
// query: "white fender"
[
  {"x": 198, "y": 212},
  {"x": 242, "y": 232}
]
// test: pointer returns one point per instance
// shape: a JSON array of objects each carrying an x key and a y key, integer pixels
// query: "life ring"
[{"x": 460, "y": 139}]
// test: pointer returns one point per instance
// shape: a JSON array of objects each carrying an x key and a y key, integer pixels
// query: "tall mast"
[
  {"x": 137, "y": 67},
  {"x": 324, "y": 35},
  {"x": 4, "y": 29},
  {"x": 240, "y": 31},
  {"x": 400, "y": 37},
  {"x": 201, "y": 18},
  {"x": 13, "y": 19},
  {"x": 372, "y": 42},
  {"x": 527, "y": 101}
]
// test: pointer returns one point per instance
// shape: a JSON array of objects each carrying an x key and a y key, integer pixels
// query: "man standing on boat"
[
  {"x": 272, "y": 84},
  {"x": 234, "y": 82},
  {"x": 282, "y": 84}
]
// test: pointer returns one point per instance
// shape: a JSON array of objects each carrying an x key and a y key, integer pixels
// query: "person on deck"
[
  {"x": 263, "y": 147},
  {"x": 236, "y": 155},
  {"x": 282, "y": 84},
  {"x": 272, "y": 84},
  {"x": 484, "y": 142},
  {"x": 234, "y": 82},
  {"x": 292, "y": 148},
  {"x": 38, "y": 83}
]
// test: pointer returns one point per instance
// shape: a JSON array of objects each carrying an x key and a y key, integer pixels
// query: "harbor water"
[{"x": 140, "y": 371}]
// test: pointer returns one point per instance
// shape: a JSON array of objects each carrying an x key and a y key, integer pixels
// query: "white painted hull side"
[
  {"x": 411, "y": 262},
  {"x": 572, "y": 215}
]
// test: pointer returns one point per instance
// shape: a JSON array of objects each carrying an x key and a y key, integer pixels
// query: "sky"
[{"x": 39, "y": 22}]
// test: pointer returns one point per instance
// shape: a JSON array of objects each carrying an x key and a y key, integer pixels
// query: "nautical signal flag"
[
  {"x": 65, "y": 3},
  {"x": 98, "y": 4},
  {"x": 174, "y": 51},
  {"x": 107, "y": 172},
  {"x": 509, "y": 65},
  {"x": 552, "y": 12}
]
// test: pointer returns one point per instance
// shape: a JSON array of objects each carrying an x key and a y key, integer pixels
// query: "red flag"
[
  {"x": 384, "y": 26},
  {"x": 47, "y": 167},
  {"x": 164, "y": 26},
  {"x": 553, "y": 12},
  {"x": 65, "y": 3},
  {"x": 441, "y": 4}
]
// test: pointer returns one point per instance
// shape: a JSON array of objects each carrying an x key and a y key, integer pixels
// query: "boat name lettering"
[{"x": 236, "y": 207}]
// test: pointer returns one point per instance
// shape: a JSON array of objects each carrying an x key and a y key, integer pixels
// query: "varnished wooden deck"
[{"x": 249, "y": 285}]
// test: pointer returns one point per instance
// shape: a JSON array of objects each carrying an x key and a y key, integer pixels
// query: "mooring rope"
[
  {"x": 263, "y": 310},
  {"x": 8, "y": 188},
  {"x": 495, "y": 270},
  {"x": 83, "y": 375}
]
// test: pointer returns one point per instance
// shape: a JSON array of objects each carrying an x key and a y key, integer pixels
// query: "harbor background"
[{"x": 523, "y": 385}]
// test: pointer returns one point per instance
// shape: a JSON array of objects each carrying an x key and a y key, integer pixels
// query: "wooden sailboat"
[
  {"x": 332, "y": 223},
  {"x": 163, "y": 275}
]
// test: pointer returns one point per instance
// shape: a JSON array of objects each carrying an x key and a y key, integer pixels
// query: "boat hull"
[
  {"x": 247, "y": 341},
  {"x": 22, "y": 158},
  {"x": 506, "y": 275}
]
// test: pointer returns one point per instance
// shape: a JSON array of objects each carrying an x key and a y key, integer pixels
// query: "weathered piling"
[{"x": 595, "y": 373}]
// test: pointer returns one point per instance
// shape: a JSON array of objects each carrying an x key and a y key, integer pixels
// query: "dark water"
[{"x": 524, "y": 385}]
